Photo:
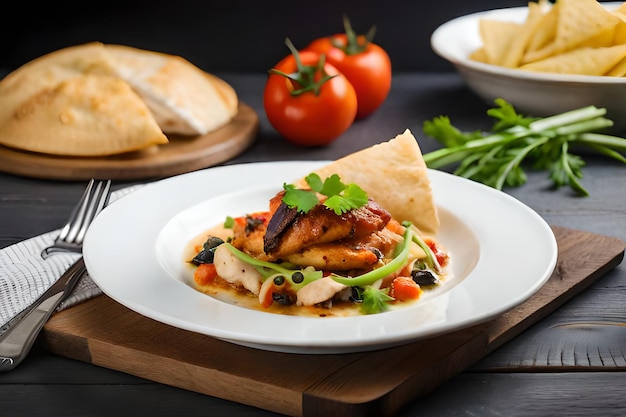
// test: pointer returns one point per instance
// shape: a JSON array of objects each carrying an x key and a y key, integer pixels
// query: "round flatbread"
[{"x": 163, "y": 92}]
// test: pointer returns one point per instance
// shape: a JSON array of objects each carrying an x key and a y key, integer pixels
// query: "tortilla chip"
[
  {"x": 545, "y": 30},
  {"x": 580, "y": 21},
  {"x": 619, "y": 70},
  {"x": 81, "y": 117},
  {"x": 569, "y": 25},
  {"x": 514, "y": 54},
  {"x": 619, "y": 36},
  {"x": 584, "y": 61},
  {"x": 479, "y": 55},
  {"x": 497, "y": 36},
  {"x": 395, "y": 175}
]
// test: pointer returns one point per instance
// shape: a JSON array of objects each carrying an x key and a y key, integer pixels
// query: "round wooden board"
[{"x": 180, "y": 155}]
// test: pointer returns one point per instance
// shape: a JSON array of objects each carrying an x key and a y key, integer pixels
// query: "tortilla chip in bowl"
[{"x": 545, "y": 58}]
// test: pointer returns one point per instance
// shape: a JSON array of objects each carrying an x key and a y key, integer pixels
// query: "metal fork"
[
  {"x": 70, "y": 239},
  {"x": 21, "y": 331}
]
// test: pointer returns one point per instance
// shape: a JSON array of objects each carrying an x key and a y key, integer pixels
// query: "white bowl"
[{"x": 531, "y": 93}]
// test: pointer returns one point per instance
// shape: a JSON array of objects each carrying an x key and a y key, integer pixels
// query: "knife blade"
[{"x": 21, "y": 332}]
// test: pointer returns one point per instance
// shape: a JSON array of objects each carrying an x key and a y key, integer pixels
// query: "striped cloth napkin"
[{"x": 24, "y": 275}]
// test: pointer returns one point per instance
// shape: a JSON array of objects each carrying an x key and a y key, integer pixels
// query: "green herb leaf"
[
  {"x": 497, "y": 158},
  {"x": 229, "y": 223},
  {"x": 303, "y": 200},
  {"x": 340, "y": 197},
  {"x": 375, "y": 300}
]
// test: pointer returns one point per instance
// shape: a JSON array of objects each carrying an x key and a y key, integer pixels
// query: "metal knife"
[{"x": 21, "y": 331}]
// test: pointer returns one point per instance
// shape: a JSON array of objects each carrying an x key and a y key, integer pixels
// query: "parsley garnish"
[
  {"x": 340, "y": 197},
  {"x": 495, "y": 158}
]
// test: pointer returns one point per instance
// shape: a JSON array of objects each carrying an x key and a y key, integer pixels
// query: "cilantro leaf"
[
  {"x": 303, "y": 200},
  {"x": 341, "y": 198}
]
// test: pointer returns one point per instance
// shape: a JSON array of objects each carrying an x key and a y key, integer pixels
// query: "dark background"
[{"x": 230, "y": 35}]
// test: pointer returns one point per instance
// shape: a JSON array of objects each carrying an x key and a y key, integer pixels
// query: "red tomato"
[
  {"x": 442, "y": 257},
  {"x": 366, "y": 65},
  {"x": 303, "y": 107}
]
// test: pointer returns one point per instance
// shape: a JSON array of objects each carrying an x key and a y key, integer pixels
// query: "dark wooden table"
[{"x": 571, "y": 363}]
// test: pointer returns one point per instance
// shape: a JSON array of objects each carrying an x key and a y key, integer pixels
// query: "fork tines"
[{"x": 93, "y": 200}]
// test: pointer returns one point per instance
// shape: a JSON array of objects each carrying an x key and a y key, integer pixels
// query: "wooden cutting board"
[
  {"x": 105, "y": 333},
  {"x": 180, "y": 155}
]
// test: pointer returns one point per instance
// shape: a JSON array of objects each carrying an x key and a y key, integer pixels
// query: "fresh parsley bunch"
[{"x": 495, "y": 158}]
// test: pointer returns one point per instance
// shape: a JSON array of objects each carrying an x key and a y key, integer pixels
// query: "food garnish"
[
  {"x": 495, "y": 158},
  {"x": 341, "y": 197}
]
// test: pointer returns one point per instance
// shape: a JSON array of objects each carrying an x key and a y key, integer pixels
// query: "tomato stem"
[
  {"x": 352, "y": 46},
  {"x": 305, "y": 76}
]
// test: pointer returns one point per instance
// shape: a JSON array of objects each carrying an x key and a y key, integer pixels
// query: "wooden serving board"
[
  {"x": 180, "y": 155},
  {"x": 105, "y": 333}
]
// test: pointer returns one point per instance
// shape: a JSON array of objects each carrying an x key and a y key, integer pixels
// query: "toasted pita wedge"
[
  {"x": 184, "y": 99},
  {"x": 395, "y": 175},
  {"x": 82, "y": 116}
]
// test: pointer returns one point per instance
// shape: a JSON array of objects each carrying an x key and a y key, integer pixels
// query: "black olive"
[
  {"x": 212, "y": 242},
  {"x": 279, "y": 280},
  {"x": 206, "y": 255},
  {"x": 297, "y": 277},
  {"x": 283, "y": 298},
  {"x": 203, "y": 257},
  {"x": 423, "y": 278}
]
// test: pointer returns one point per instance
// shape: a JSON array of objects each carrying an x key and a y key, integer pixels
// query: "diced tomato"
[
  {"x": 441, "y": 256},
  {"x": 405, "y": 289},
  {"x": 205, "y": 274}
]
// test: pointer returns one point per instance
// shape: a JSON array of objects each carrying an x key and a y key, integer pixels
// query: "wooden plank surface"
[
  {"x": 180, "y": 155},
  {"x": 378, "y": 383}
]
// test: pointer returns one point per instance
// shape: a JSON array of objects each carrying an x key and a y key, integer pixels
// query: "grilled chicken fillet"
[{"x": 320, "y": 238}]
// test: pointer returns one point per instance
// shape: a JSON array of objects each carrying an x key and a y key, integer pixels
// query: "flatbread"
[
  {"x": 161, "y": 90},
  {"x": 82, "y": 116},
  {"x": 184, "y": 99},
  {"x": 46, "y": 72},
  {"x": 395, "y": 175}
]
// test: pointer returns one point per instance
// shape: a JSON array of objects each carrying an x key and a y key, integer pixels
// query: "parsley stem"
[
  {"x": 584, "y": 126},
  {"x": 519, "y": 157},
  {"x": 602, "y": 139},
  {"x": 573, "y": 180},
  {"x": 566, "y": 118}
]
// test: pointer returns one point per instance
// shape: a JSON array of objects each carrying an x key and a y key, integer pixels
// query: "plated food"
[
  {"x": 355, "y": 236},
  {"x": 97, "y": 99}
]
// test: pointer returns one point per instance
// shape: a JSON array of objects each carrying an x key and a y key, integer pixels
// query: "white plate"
[
  {"x": 502, "y": 252},
  {"x": 534, "y": 93}
]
